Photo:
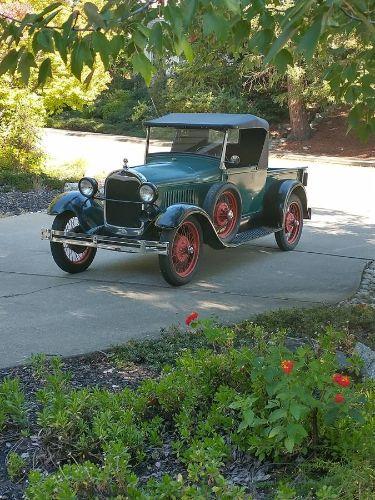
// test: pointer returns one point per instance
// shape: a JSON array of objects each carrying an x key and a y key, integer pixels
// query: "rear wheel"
[
  {"x": 289, "y": 236},
  {"x": 185, "y": 249},
  {"x": 70, "y": 258}
]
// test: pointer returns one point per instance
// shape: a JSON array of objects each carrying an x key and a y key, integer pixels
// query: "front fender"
[
  {"x": 276, "y": 198},
  {"x": 176, "y": 214},
  {"x": 89, "y": 211}
]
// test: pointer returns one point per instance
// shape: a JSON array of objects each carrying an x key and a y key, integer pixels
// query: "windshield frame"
[{"x": 221, "y": 157}]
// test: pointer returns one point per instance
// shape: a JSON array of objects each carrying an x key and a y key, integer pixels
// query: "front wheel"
[
  {"x": 185, "y": 249},
  {"x": 289, "y": 236},
  {"x": 70, "y": 258}
]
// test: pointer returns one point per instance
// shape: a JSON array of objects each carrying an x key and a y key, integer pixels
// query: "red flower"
[
  {"x": 192, "y": 317},
  {"x": 287, "y": 366},
  {"x": 339, "y": 398},
  {"x": 342, "y": 380}
]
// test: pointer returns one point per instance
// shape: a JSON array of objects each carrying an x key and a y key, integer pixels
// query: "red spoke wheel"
[
  {"x": 288, "y": 238},
  {"x": 226, "y": 214},
  {"x": 185, "y": 248},
  {"x": 70, "y": 258},
  {"x": 223, "y": 204}
]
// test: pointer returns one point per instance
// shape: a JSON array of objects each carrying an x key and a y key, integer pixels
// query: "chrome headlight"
[
  {"x": 88, "y": 186},
  {"x": 148, "y": 193}
]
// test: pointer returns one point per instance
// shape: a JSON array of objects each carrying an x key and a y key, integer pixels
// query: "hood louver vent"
[{"x": 180, "y": 196}]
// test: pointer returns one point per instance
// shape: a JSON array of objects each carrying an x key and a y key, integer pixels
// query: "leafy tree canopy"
[{"x": 281, "y": 32}]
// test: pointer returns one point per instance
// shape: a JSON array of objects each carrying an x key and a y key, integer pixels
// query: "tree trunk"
[{"x": 299, "y": 122}]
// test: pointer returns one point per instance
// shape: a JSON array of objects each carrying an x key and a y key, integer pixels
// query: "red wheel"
[
  {"x": 288, "y": 238},
  {"x": 70, "y": 258},
  {"x": 225, "y": 214},
  {"x": 223, "y": 204},
  {"x": 185, "y": 247}
]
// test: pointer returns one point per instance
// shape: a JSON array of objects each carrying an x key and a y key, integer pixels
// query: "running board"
[{"x": 251, "y": 234}]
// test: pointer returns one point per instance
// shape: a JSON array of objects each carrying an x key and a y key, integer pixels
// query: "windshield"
[{"x": 202, "y": 141}]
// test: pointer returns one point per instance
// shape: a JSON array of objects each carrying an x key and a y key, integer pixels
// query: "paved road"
[{"x": 124, "y": 296}]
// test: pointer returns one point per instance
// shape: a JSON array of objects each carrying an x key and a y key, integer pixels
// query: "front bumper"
[{"x": 108, "y": 243}]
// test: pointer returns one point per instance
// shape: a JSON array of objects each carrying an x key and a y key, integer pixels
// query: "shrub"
[
  {"x": 15, "y": 465},
  {"x": 12, "y": 403}
]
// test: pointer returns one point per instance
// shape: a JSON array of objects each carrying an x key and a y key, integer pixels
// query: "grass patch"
[{"x": 46, "y": 176}]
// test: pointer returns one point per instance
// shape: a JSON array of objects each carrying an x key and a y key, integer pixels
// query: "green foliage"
[
  {"x": 225, "y": 390},
  {"x": 279, "y": 34},
  {"x": 12, "y": 404},
  {"x": 15, "y": 465}
]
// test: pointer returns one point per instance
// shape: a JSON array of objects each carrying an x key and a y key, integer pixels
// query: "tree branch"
[
  {"x": 354, "y": 18},
  {"x": 135, "y": 12}
]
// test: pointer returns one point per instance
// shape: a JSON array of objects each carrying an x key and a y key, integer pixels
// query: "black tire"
[
  {"x": 226, "y": 231},
  {"x": 179, "y": 266},
  {"x": 288, "y": 238},
  {"x": 63, "y": 254}
]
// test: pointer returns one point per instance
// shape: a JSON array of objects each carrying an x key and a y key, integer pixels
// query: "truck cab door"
[{"x": 250, "y": 175}]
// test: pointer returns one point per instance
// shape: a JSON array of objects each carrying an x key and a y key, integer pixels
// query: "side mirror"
[{"x": 235, "y": 159}]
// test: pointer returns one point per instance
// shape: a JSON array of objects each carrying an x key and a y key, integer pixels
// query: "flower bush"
[{"x": 261, "y": 399}]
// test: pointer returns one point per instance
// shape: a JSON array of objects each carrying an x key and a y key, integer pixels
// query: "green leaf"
[
  {"x": 92, "y": 13},
  {"x": 282, "y": 60},
  {"x": 26, "y": 62},
  {"x": 139, "y": 39},
  {"x": 45, "y": 71},
  {"x": 60, "y": 44},
  {"x": 296, "y": 410},
  {"x": 77, "y": 60},
  {"x": 142, "y": 65},
  {"x": 189, "y": 9},
  {"x": 49, "y": 8},
  {"x": 102, "y": 46},
  {"x": 309, "y": 41},
  {"x": 156, "y": 37},
  {"x": 233, "y": 5},
  {"x": 184, "y": 46},
  {"x": 45, "y": 40},
  {"x": 275, "y": 431},
  {"x": 241, "y": 31},
  {"x": 213, "y": 23},
  {"x": 279, "y": 43},
  {"x": 289, "y": 444},
  {"x": 116, "y": 44},
  {"x": 9, "y": 62},
  {"x": 277, "y": 414}
]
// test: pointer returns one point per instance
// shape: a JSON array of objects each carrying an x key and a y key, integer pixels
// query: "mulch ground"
[
  {"x": 330, "y": 138},
  {"x": 19, "y": 202}
]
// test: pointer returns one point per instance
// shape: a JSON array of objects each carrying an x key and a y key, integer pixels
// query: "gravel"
[{"x": 18, "y": 202}]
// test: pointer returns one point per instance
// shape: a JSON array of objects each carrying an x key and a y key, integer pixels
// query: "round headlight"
[
  {"x": 88, "y": 186},
  {"x": 148, "y": 193}
]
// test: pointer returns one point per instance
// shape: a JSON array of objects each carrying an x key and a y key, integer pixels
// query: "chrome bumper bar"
[{"x": 108, "y": 243}]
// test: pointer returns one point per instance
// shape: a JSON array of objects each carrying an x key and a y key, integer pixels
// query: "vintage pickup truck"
[{"x": 205, "y": 179}]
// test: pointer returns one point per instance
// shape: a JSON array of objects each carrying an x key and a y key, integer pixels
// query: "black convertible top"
[{"x": 215, "y": 121}]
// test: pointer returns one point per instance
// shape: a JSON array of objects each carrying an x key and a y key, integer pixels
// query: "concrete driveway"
[{"x": 124, "y": 296}]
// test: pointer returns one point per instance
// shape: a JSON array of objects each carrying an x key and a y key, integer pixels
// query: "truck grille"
[{"x": 122, "y": 206}]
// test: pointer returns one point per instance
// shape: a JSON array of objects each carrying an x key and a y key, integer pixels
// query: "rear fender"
[
  {"x": 89, "y": 211},
  {"x": 276, "y": 198},
  {"x": 176, "y": 214}
]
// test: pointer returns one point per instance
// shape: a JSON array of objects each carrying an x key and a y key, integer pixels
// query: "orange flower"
[
  {"x": 339, "y": 398},
  {"x": 287, "y": 366},
  {"x": 192, "y": 317},
  {"x": 342, "y": 380}
]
